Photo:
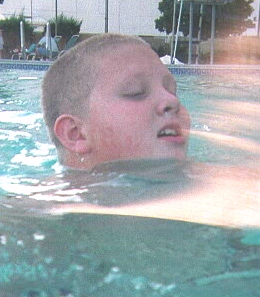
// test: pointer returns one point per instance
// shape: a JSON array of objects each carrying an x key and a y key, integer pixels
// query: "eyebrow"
[
  {"x": 139, "y": 77},
  {"x": 168, "y": 81}
]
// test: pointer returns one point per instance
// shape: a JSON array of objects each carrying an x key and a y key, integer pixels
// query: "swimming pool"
[{"x": 110, "y": 255}]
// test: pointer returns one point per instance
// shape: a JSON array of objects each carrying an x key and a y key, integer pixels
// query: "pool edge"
[
  {"x": 174, "y": 69},
  {"x": 6, "y": 64}
]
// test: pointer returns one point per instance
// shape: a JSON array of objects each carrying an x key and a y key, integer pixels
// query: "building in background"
[{"x": 124, "y": 16}]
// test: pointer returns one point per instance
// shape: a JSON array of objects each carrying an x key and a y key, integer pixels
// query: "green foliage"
[
  {"x": 164, "y": 22},
  {"x": 231, "y": 18},
  {"x": 11, "y": 32},
  {"x": 12, "y": 25},
  {"x": 67, "y": 26}
]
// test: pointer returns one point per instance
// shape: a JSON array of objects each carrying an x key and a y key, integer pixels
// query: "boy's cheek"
[{"x": 112, "y": 144}]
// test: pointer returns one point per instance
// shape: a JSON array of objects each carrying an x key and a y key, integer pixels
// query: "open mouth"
[
  {"x": 171, "y": 134},
  {"x": 168, "y": 132}
]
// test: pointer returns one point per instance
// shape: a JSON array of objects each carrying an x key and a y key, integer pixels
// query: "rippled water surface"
[{"x": 109, "y": 255}]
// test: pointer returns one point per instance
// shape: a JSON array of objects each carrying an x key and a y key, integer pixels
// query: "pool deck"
[{"x": 175, "y": 69}]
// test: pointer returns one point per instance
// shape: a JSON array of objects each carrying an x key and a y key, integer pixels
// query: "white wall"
[
  {"x": 254, "y": 17},
  {"x": 125, "y": 16}
]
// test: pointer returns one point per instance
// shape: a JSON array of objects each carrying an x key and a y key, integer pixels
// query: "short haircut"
[{"x": 70, "y": 80}]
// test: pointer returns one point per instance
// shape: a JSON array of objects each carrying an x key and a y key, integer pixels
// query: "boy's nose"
[{"x": 168, "y": 105}]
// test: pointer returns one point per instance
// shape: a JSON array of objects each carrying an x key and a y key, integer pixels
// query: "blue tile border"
[
  {"x": 24, "y": 65},
  {"x": 214, "y": 69},
  {"x": 174, "y": 69}
]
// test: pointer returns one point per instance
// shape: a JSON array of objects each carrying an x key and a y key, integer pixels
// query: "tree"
[
  {"x": 231, "y": 18},
  {"x": 67, "y": 26},
  {"x": 11, "y": 32}
]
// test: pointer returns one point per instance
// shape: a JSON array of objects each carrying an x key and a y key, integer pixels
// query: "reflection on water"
[
  {"x": 92, "y": 255},
  {"x": 226, "y": 124},
  {"x": 224, "y": 112},
  {"x": 109, "y": 184},
  {"x": 110, "y": 255}
]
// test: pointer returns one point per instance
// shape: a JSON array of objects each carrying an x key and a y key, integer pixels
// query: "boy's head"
[{"x": 111, "y": 98}]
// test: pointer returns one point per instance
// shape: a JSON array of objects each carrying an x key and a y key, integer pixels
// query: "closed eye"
[
  {"x": 138, "y": 95},
  {"x": 135, "y": 88}
]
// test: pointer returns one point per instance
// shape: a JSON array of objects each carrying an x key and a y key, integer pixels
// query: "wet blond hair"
[{"x": 70, "y": 80}]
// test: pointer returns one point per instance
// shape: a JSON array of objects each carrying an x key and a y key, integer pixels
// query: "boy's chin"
[{"x": 180, "y": 154}]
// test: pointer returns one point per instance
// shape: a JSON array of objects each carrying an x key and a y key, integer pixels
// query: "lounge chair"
[
  {"x": 30, "y": 53},
  {"x": 18, "y": 55},
  {"x": 57, "y": 39},
  {"x": 72, "y": 41}
]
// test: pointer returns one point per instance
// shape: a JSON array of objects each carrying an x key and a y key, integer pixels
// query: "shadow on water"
[
  {"x": 115, "y": 255},
  {"x": 103, "y": 255}
]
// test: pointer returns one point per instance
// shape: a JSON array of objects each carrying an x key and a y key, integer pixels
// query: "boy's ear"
[{"x": 68, "y": 129}]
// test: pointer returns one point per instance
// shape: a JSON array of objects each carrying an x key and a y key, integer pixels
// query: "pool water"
[
  {"x": 108, "y": 255},
  {"x": 224, "y": 110},
  {"x": 91, "y": 255}
]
